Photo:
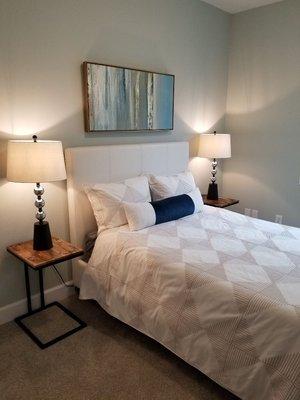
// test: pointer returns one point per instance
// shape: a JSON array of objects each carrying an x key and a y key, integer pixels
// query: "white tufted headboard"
[{"x": 96, "y": 164}]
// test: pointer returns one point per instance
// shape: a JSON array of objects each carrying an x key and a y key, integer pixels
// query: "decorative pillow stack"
[
  {"x": 107, "y": 200},
  {"x": 116, "y": 204}
]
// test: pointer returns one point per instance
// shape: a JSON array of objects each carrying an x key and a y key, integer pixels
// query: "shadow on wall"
[
  {"x": 71, "y": 132},
  {"x": 72, "y": 129},
  {"x": 3, "y": 152},
  {"x": 73, "y": 125},
  {"x": 265, "y": 165}
]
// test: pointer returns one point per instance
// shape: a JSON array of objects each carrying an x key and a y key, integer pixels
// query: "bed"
[{"x": 217, "y": 288}]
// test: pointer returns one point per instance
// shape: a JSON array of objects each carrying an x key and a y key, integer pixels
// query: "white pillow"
[
  {"x": 142, "y": 215},
  {"x": 107, "y": 200},
  {"x": 162, "y": 187}
]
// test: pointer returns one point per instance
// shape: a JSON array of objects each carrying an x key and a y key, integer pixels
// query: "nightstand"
[
  {"x": 221, "y": 202},
  {"x": 37, "y": 261}
]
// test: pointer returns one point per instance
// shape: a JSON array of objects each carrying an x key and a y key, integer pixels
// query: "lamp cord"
[{"x": 61, "y": 278}]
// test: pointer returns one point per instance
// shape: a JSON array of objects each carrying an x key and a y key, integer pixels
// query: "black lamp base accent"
[
  {"x": 42, "y": 236},
  {"x": 212, "y": 193}
]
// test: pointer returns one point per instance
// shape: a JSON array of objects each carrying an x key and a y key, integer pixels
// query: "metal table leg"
[
  {"x": 19, "y": 320},
  {"x": 28, "y": 293},
  {"x": 41, "y": 280}
]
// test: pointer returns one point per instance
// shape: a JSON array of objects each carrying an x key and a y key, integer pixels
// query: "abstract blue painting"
[{"x": 124, "y": 99}]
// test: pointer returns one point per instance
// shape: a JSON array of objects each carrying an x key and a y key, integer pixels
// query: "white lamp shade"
[
  {"x": 214, "y": 145},
  {"x": 29, "y": 161}
]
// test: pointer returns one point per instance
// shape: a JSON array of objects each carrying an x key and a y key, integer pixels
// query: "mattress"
[{"x": 219, "y": 289}]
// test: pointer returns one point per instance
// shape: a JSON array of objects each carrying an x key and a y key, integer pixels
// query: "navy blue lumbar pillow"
[
  {"x": 173, "y": 208},
  {"x": 142, "y": 215}
]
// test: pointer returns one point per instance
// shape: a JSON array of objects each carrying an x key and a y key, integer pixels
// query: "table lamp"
[
  {"x": 36, "y": 161},
  {"x": 216, "y": 145}
]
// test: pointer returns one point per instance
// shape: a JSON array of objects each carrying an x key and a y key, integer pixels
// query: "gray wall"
[
  {"x": 263, "y": 111},
  {"x": 42, "y": 45}
]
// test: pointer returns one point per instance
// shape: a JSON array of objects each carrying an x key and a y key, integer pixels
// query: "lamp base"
[
  {"x": 212, "y": 193},
  {"x": 42, "y": 237}
]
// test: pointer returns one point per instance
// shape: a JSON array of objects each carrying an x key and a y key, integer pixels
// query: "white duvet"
[{"x": 219, "y": 289}]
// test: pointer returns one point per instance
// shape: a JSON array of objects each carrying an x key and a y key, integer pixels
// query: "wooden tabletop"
[
  {"x": 221, "y": 202},
  {"x": 61, "y": 251}
]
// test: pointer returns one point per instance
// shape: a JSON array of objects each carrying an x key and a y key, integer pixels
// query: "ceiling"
[{"x": 235, "y": 6}]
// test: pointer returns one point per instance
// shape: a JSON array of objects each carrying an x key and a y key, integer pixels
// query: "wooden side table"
[
  {"x": 38, "y": 260},
  {"x": 221, "y": 202}
]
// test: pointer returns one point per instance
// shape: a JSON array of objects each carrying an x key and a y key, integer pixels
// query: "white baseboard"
[{"x": 13, "y": 310}]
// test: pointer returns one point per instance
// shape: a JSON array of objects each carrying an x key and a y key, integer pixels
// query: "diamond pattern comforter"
[{"x": 219, "y": 289}]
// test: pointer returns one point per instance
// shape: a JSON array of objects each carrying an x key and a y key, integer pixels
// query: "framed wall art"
[{"x": 127, "y": 99}]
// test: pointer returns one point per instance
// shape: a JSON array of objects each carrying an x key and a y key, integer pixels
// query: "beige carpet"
[{"x": 107, "y": 360}]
